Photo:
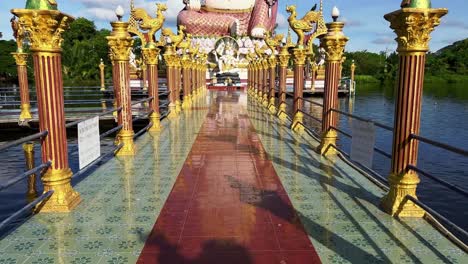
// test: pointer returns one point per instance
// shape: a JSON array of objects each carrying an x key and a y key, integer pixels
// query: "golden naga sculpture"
[
  {"x": 175, "y": 40},
  {"x": 303, "y": 25},
  {"x": 273, "y": 41}
]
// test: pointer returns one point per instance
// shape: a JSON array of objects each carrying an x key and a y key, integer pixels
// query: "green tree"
[{"x": 8, "y": 73}]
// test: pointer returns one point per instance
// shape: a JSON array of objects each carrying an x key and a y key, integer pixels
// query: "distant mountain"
[
  {"x": 452, "y": 59},
  {"x": 458, "y": 46}
]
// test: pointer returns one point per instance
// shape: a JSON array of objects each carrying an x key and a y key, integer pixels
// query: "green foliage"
[{"x": 8, "y": 73}]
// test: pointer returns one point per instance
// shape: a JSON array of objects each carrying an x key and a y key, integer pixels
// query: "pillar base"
[
  {"x": 297, "y": 123},
  {"x": 272, "y": 107},
  {"x": 282, "y": 115},
  {"x": 155, "y": 118},
  {"x": 178, "y": 107},
  {"x": 65, "y": 198},
  {"x": 172, "y": 111},
  {"x": 394, "y": 202},
  {"x": 25, "y": 113},
  {"x": 265, "y": 100},
  {"x": 126, "y": 138},
  {"x": 186, "y": 103},
  {"x": 103, "y": 89},
  {"x": 328, "y": 139}
]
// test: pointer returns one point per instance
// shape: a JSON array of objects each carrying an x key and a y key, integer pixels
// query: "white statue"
[{"x": 229, "y": 60}]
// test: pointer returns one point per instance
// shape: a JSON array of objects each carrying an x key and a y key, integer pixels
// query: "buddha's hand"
[
  {"x": 258, "y": 32},
  {"x": 193, "y": 5}
]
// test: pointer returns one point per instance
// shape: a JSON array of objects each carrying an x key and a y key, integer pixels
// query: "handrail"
[
  {"x": 143, "y": 100},
  {"x": 28, "y": 207},
  {"x": 94, "y": 162},
  {"x": 105, "y": 134},
  {"x": 312, "y": 102},
  {"x": 71, "y": 124},
  {"x": 143, "y": 130},
  {"x": 24, "y": 140},
  {"x": 311, "y": 116},
  {"x": 375, "y": 148},
  {"x": 144, "y": 116},
  {"x": 389, "y": 128},
  {"x": 25, "y": 174},
  {"x": 440, "y": 181},
  {"x": 441, "y": 145}
]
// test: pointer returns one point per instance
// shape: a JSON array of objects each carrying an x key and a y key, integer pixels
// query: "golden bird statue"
[{"x": 303, "y": 25}]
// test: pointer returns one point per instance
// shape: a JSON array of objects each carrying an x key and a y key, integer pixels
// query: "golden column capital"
[
  {"x": 21, "y": 58},
  {"x": 272, "y": 61},
  {"x": 44, "y": 28},
  {"x": 334, "y": 42},
  {"x": 413, "y": 27},
  {"x": 284, "y": 57},
  {"x": 150, "y": 55},
  {"x": 299, "y": 56},
  {"x": 102, "y": 66},
  {"x": 120, "y": 42}
]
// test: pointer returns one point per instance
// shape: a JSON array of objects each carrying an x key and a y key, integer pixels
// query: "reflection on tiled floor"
[
  {"x": 339, "y": 207},
  {"x": 249, "y": 217},
  {"x": 228, "y": 205},
  {"x": 121, "y": 201}
]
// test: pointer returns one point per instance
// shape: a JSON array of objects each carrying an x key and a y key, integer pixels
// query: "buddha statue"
[{"x": 228, "y": 17}]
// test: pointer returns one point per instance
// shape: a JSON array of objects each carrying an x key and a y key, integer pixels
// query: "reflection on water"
[{"x": 444, "y": 118}]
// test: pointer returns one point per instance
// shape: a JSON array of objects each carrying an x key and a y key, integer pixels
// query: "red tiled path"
[{"x": 228, "y": 204}]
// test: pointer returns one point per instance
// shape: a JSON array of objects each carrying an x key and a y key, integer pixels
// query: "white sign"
[
  {"x": 89, "y": 144},
  {"x": 362, "y": 143}
]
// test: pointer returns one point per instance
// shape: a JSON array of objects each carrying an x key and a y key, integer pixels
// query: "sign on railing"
[
  {"x": 89, "y": 145},
  {"x": 363, "y": 141}
]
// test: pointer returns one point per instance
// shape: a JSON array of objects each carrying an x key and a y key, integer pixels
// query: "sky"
[{"x": 365, "y": 25}]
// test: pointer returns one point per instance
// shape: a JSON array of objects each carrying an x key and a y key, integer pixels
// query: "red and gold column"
[
  {"x": 284, "y": 57},
  {"x": 45, "y": 28},
  {"x": 299, "y": 56},
  {"x": 186, "y": 81},
  {"x": 150, "y": 56},
  {"x": 28, "y": 149},
  {"x": 412, "y": 27},
  {"x": 102, "y": 75},
  {"x": 120, "y": 43},
  {"x": 21, "y": 59},
  {"x": 266, "y": 86},
  {"x": 169, "y": 57},
  {"x": 334, "y": 43},
  {"x": 353, "y": 69},
  {"x": 272, "y": 62},
  {"x": 313, "y": 77},
  {"x": 144, "y": 70},
  {"x": 177, "y": 80}
]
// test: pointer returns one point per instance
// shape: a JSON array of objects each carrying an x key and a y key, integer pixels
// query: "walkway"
[{"x": 220, "y": 187}]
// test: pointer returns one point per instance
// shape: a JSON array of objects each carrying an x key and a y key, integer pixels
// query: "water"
[{"x": 444, "y": 118}]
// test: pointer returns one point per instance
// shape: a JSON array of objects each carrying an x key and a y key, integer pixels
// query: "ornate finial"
[
  {"x": 416, "y": 3},
  {"x": 321, "y": 6},
  {"x": 132, "y": 5}
]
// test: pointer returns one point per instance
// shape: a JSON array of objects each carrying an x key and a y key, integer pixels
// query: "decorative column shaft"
[
  {"x": 284, "y": 57},
  {"x": 178, "y": 83},
  {"x": 353, "y": 69},
  {"x": 260, "y": 81},
  {"x": 144, "y": 70},
  {"x": 266, "y": 86},
  {"x": 102, "y": 74},
  {"x": 21, "y": 59},
  {"x": 120, "y": 44},
  {"x": 45, "y": 29},
  {"x": 150, "y": 56},
  {"x": 313, "y": 77},
  {"x": 299, "y": 62},
  {"x": 28, "y": 149},
  {"x": 334, "y": 44},
  {"x": 412, "y": 27},
  {"x": 186, "y": 81},
  {"x": 272, "y": 63},
  {"x": 169, "y": 57}
]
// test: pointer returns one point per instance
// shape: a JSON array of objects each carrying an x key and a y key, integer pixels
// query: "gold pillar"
[
  {"x": 299, "y": 62},
  {"x": 150, "y": 56},
  {"x": 412, "y": 27},
  {"x": 284, "y": 57},
  {"x": 177, "y": 80},
  {"x": 186, "y": 81},
  {"x": 103, "y": 76},
  {"x": 120, "y": 43},
  {"x": 144, "y": 70},
  {"x": 334, "y": 43},
  {"x": 45, "y": 28},
  {"x": 21, "y": 59},
  {"x": 313, "y": 77},
  {"x": 169, "y": 57},
  {"x": 31, "y": 193},
  {"x": 353, "y": 68},
  {"x": 272, "y": 63},
  {"x": 266, "y": 73}
]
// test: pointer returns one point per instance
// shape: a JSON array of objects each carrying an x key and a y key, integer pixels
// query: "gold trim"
[{"x": 232, "y": 11}]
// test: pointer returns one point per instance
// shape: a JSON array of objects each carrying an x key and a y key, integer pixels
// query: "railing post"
[
  {"x": 45, "y": 28},
  {"x": 299, "y": 62},
  {"x": 169, "y": 57},
  {"x": 255, "y": 79},
  {"x": 353, "y": 68},
  {"x": 102, "y": 75},
  {"x": 284, "y": 57},
  {"x": 266, "y": 86},
  {"x": 151, "y": 56},
  {"x": 21, "y": 59},
  {"x": 412, "y": 27},
  {"x": 177, "y": 80},
  {"x": 120, "y": 43},
  {"x": 334, "y": 43},
  {"x": 272, "y": 61},
  {"x": 260, "y": 80},
  {"x": 313, "y": 77},
  {"x": 144, "y": 70},
  {"x": 186, "y": 81}
]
